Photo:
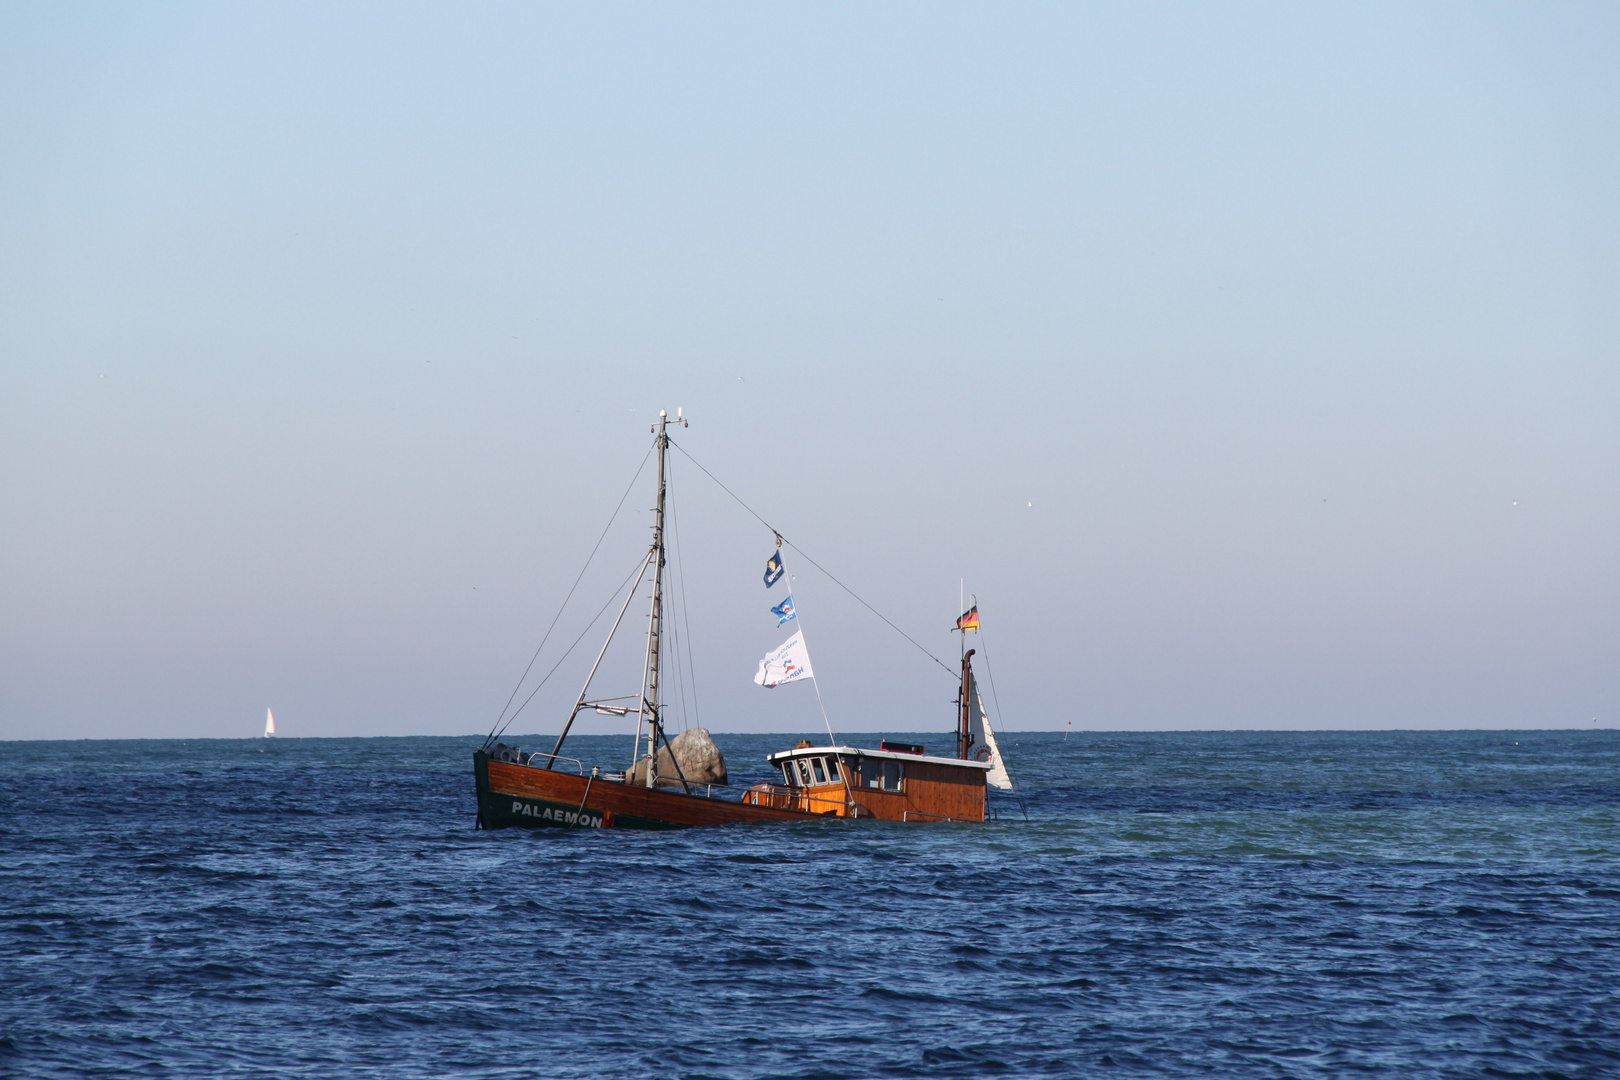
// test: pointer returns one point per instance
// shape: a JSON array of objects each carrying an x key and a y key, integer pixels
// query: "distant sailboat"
[{"x": 269, "y": 724}]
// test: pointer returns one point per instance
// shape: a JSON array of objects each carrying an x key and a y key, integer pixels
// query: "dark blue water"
[{"x": 1218, "y": 904}]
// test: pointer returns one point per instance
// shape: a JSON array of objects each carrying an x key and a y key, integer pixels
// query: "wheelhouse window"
[
  {"x": 880, "y": 773},
  {"x": 811, "y": 771}
]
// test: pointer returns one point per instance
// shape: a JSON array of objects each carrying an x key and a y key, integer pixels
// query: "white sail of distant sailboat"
[
  {"x": 982, "y": 745},
  {"x": 269, "y": 723}
]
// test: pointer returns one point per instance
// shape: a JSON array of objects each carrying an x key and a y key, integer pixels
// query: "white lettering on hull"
[{"x": 583, "y": 819}]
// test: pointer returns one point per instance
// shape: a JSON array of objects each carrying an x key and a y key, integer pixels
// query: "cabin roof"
[{"x": 811, "y": 751}]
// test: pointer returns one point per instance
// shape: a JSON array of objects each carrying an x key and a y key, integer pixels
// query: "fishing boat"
[{"x": 893, "y": 782}]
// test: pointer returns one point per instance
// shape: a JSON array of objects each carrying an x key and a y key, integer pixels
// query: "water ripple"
[{"x": 1257, "y": 904}]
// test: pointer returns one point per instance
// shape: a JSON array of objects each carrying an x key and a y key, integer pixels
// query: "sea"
[{"x": 1186, "y": 904}]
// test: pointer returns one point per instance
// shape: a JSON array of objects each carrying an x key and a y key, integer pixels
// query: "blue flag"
[
  {"x": 784, "y": 611},
  {"x": 773, "y": 569}
]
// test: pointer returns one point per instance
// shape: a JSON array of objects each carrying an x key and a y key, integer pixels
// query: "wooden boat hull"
[{"x": 522, "y": 796}]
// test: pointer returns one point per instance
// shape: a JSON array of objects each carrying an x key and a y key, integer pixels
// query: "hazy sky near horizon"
[{"x": 1257, "y": 365}]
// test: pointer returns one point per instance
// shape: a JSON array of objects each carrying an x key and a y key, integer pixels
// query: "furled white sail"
[
  {"x": 269, "y": 723},
  {"x": 982, "y": 742},
  {"x": 788, "y": 662}
]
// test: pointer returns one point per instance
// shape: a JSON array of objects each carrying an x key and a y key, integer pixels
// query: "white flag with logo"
[{"x": 788, "y": 662}]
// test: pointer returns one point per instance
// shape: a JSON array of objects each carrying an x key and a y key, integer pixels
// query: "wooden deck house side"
[{"x": 928, "y": 791}]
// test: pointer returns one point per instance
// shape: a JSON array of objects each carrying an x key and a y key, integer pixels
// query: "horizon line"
[{"x": 896, "y": 731}]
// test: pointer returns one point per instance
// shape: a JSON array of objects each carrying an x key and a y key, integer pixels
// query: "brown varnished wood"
[
  {"x": 819, "y": 801},
  {"x": 927, "y": 792}
]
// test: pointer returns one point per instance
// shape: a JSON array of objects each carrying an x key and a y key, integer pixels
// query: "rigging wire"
[
  {"x": 686, "y": 617},
  {"x": 611, "y": 519},
  {"x": 674, "y": 706},
  {"x": 990, "y": 670},
  {"x": 673, "y": 599},
  {"x": 813, "y": 562},
  {"x": 814, "y": 681},
  {"x": 637, "y": 573},
  {"x": 676, "y": 709}
]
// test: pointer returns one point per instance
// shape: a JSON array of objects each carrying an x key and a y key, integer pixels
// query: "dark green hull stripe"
[
  {"x": 498, "y": 810},
  {"x": 501, "y": 811}
]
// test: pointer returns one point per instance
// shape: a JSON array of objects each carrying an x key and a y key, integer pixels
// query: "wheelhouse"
[{"x": 898, "y": 782}]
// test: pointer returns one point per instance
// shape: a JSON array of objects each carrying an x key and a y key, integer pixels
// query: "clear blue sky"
[{"x": 1257, "y": 365}]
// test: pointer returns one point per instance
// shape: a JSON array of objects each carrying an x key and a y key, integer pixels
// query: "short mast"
[{"x": 964, "y": 728}]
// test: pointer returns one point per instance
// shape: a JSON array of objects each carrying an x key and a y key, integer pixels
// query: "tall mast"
[
  {"x": 655, "y": 617},
  {"x": 647, "y": 710}
]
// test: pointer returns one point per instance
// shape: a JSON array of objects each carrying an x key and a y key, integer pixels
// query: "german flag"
[{"x": 969, "y": 619}]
